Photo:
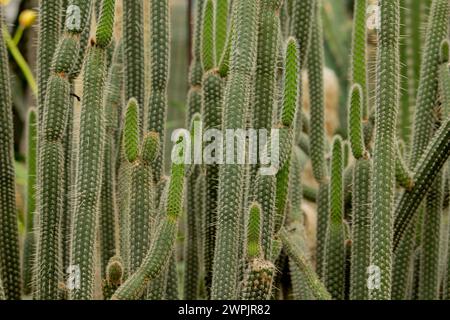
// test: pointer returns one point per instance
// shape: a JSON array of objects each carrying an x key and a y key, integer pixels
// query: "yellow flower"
[{"x": 27, "y": 18}]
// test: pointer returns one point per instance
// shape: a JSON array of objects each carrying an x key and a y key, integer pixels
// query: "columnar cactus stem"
[
  {"x": 316, "y": 89},
  {"x": 113, "y": 278},
  {"x": 159, "y": 57},
  {"x": 108, "y": 200},
  {"x": 303, "y": 14},
  {"x": 359, "y": 53},
  {"x": 49, "y": 32},
  {"x": 220, "y": 27},
  {"x": 160, "y": 251},
  {"x": 172, "y": 291},
  {"x": 258, "y": 276},
  {"x": 212, "y": 111},
  {"x": 9, "y": 242},
  {"x": 431, "y": 162},
  {"x": 288, "y": 117},
  {"x": 429, "y": 285},
  {"x": 30, "y": 240},
  {"x": 194, "y": 245},
  {"x": 293, "y": 251},
  {"x": 208, "y": 58},
  {"x": 437, "y": 31},
  {"x": 51, "y": 156},
  {"x": 236, "y": 101},
  {"x": 134, "y": 65},
  {"x": 334, "y": 271},
  {"x": 387, "y": 101},
  {"x": 361, "y": 199},
  {"x": 90, "y": 157},
  {"x": 196, "y": 69}
]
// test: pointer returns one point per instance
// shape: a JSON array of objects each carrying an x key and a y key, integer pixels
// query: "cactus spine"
[
  {"x": 236, "y": 100},
  {"x": 387, "y": 101},
  {"x": 90, "y": 156}
]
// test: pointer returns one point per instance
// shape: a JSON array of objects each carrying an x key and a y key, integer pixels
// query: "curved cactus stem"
[{"x": 293, "y": 251}]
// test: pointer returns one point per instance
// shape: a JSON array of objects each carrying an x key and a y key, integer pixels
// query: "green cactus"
[
  {"x": 429, "y": 282},
  {"x": 193, "y": 248},
  {"x": 361, "y": 214},
  {"x": 316, "y": 91},
  {"x": 208, "y": 51},
  {"x": 437, "y": 31},
  {"x": 236, "y": 101},
  {"x": 220, "y": 27},
  {"x": 51, "y": 155},
  {"x": 359, "y": 53},
  {"x": 108, "y": 199},
  {"x": 431, "y": 162},
  {"x": 161, "y": 249},
  {"x": 134, "y": 65},
  {"x": 196, "y": 68},
  {"x": 159, "y": 71},
  {"x": 30, "y": 241},
  {"x": 172, "y": 291},
  {"x": 265, "y": 78},
  {"x": 212, "y": 111},
  {"x": 49, "y": 32},
  {"x": 334, "y": 271},
  {"x": 90, "y": 160},
  {"x": 317, "y": 288},
  {"x": 257, "y": 283},
  {"x": 114, "y": 277},
  {"x": 387, "y": 101}
]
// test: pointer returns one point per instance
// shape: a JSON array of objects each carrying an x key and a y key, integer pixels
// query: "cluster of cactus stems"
[{"x": 103, "y": 219}]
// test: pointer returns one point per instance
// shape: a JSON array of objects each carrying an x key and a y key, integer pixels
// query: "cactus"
[
  {"x": 51, "y": 156},
  {"x": 387, "y": 100},
  {"x": 220, "y": 27},
  {"x": 361, "y": 198},
  {"x": 208, "y": 51},
  {"x": 134, "y": 65},
  {"x": 334, "y": 271},
  {"x": 9, "y": 242},
  {"x": 161, "y": 249},
  {"x": 159, "y": 77},
  {"x": 257, "y": 283},
  {"x": 437, "y": 31},
  {"x": 236, "y": 100},
  {"x": 359, "y": 53},
  {"x": 30, "y": 241},
  {"x": 49, "y": 31},
  {"x": 315, "y": 285},
  {"x": 108, "y": 198},
  {"x": 90, "y": 156},
  {"x": 432, "y": 161},
  {"x": 288, "y": 116},
  {"x": 212, "y": 111},
  {"x": 113, "y": 278}
]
